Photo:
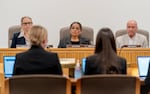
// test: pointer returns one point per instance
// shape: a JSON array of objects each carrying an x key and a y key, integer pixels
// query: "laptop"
[
  {"x": 143, "y": 64},
  {"x": 9, "y": 62},
  {"x": 83, "y": 64}
]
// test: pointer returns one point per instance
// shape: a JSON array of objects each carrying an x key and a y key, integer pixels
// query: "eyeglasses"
[{"x": 25, "y": 23}]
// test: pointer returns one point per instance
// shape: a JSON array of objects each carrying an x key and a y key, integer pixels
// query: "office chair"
[
  {"x": 108, "y": 84},
  {"x": 140, "y": 31},
  {"x": 87, "y": 32},
  {"x": 38, "y": 84},
  {"x": 13, "y": 29}
]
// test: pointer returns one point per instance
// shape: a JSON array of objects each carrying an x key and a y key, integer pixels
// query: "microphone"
[
  {"x": 134, "y": 46},
  {"x": 122, "y": 48},
  {"x": 128, "y": 46},
  {"x": 49, "y": 46}
]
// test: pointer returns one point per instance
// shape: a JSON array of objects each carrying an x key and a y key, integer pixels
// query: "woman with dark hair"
[
  {"x": 75, "y": 38},
  {"x": 105, "y": 59}
]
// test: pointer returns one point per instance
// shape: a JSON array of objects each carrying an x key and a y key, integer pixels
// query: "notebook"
[
  {"x": 143, "y": 64},
  {"x": 9, "y": 62},
  {"x": 83, "y": 64}
]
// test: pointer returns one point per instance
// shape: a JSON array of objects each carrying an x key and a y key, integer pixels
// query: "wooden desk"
[
  {"x": 129, "y": 53},
  {"x": 78, "y": 53},
  {"x": 2, "y": 83}
]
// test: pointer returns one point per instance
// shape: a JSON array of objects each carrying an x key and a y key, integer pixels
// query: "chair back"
[
  {"x": 38, "y": 84},
  {"x": 13, "y": 29},
  {"x": 140, "y": 31},
  {"x": 108, "y": 84},
  {"x": 87, "y": 32}
]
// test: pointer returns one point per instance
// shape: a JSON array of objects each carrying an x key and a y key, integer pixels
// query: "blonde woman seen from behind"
[{"x": 37, "y": 60}]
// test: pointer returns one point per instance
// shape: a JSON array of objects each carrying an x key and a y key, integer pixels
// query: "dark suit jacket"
[
  {"x": 92, "y": 68},
  {"x": 37, "y": 61},
  {"x": 17, "y": 41},
  {"x": 64, "y": 42}
]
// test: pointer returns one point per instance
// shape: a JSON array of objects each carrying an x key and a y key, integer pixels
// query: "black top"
[
  {"x": 37, "y": 61},
  {"x": 91, "y": 66},
  {"x": 75, "y": 43},
  {"x": 67, "y": 41}
]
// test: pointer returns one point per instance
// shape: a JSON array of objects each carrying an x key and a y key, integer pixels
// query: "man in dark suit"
[{"x": 37, "y": 60}]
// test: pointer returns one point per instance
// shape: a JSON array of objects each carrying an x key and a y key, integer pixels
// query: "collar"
[
  {"x": 36, "y": 46},
  {"x": 21, "y": 34},
  {"x": 132, "y": 37}
]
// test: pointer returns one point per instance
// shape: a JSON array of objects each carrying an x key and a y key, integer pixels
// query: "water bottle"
[{"x": 78, "y": 71}]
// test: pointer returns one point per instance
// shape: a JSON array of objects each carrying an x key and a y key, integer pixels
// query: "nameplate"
[
  {"x": 131, "y": 46},
  {"x": 78, "y": 46}
]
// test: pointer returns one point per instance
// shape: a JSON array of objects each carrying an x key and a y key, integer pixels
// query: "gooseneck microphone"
[
  {"x": 128, "y": 46},
  {"x": 121, "y": 49}
]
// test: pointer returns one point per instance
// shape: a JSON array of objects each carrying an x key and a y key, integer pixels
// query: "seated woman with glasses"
[
  {"x": 22, "y": 38},
  {"x": 105, "y": 59},
  {"x": 75, "y": 38}
]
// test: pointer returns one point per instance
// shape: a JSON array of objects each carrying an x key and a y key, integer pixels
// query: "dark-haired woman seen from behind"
[
  {"x": 105, "y": 59},
  {"x": 74, "y": 38}
]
